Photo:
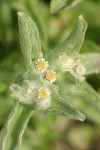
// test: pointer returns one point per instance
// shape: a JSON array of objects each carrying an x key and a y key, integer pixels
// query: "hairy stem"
[{"x": 14, "y": 128}]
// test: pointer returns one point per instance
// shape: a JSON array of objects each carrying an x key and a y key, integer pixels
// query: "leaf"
[
  {"x": 63, "y": 107},
  {"x": 86, "y": 100},
  {"x": 57, "y": 5},
  {"x": 14, "y": 128},
  {"x": 73, "y": 43},
  {"x": 66, "y": 79},
  {"x": 90, "y": 113},
  {"x": 29, "y": 39},
  {"x": 41, "y": 20},
  {"x": 80, "y": 91},
  {"x": 91, "y": 61},
  {"x": 70, "y": 47},
  {"x": 87, "y": 93}
]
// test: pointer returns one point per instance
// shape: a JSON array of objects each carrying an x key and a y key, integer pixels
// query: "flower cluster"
[
  {"x": 41, "y": 93},
  {"x": 42, "y": 65},
  {"x": 79, "y": 69},
  {"x": 74, "y": 67},
  {"x": 36, "y": 91}
]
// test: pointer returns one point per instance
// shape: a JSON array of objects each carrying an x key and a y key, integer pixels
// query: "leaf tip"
[
  {"x": 82, "y": 117},
  {"x": 82, "y": 20},
  {"x": 19, "y": 13},
  {"x": 81, "y": 17},
  {"x": 53, "y": 8}
]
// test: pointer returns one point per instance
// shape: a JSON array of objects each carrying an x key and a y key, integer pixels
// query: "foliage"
[{"x": 69, "y": 94}]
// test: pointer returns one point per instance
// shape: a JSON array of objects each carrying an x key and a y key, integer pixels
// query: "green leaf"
[
  {"x": 80, "y": 91},
  {"x": 41, "y": 20},
  {"x": 14, "y": 128},
  {"x": 86, "y": 101},
  {"x": 90, "y": 113},
  {"x": 71, "y": 46},
  {"x": 73, "y": 43},
  {"x": 29, "y": 39},
  {"x": 63, "y": 107},
  {"x": 57, "y": 5},
  {"x": 87, "y": 93},
  {"x": 91, "y": 61}
]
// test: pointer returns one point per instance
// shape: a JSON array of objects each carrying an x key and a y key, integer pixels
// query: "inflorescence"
[
  {"x": 50, "y": 75},
  {"x": 39, "y": 92},
  {"x": 42, "y": 65}
]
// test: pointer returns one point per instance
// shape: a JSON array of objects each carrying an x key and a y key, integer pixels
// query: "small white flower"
[
  {"x": 66, "y": 62},
  {"x": 44, "y": 99},
  {"x": 42, "y": 64},
  {"x": 79, "y": 70},
  {"x": 50, "y": 76},
  {"x": 43, "y": 93}
]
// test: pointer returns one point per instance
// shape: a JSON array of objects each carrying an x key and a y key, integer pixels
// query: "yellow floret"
[
  {"x": 42, "y": 65},
  {"x": 51, "y": 76},
  {"x": 43, "y": 93}
]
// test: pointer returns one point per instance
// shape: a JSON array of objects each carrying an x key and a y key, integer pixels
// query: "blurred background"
[{"x": 48, "y": 132}]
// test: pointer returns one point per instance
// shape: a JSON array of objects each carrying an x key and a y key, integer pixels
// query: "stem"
[{"x": 14, "y": 129}]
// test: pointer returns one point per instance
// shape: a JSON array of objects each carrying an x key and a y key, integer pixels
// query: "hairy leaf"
[
  {"x": 16, "y": 124},
  {"x": 71, "y": 46},
  {"x": 73, "y": 43},
  {"x": 29, "y": 39},
  {"x": 57, "y": 5},
  {"x": 80, "y": 91},
  {"x": 91, "y": 62},
  {"x": 63, "y": 107}
]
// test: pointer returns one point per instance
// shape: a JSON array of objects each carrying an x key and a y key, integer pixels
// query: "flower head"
[
  {"x": 43, "y": 93},
  {"x": 51, "y": 76},
  {"x": 42, "y": 64},
  {"x": 66, "y": 62},
  {"x": 79, "y": 70}
]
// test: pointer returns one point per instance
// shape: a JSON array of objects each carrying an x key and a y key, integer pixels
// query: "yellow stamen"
[
  {"x": 41, "y": 64},
  {"x": 51, "y": 75},
  {"x": 42, "y": 93}
]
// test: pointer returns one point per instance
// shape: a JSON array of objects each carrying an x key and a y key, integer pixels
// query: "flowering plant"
[{"x": 51, "y": 81}]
